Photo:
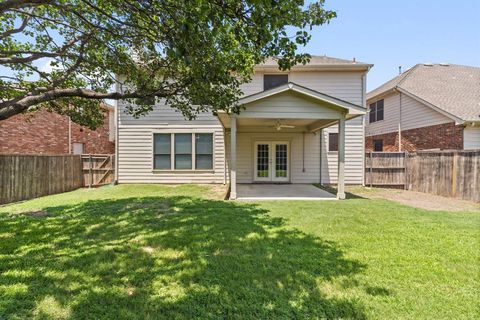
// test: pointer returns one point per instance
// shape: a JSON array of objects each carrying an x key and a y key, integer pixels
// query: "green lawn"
[{"x": 149, "y": 252}]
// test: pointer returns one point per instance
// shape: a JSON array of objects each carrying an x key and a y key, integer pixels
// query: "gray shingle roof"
[
  {"x": 452, "y": 88},
  {"x": 320, "y": 60}
]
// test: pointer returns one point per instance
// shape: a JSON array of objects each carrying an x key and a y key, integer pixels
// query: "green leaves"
[{"x": 193, "y": 54}]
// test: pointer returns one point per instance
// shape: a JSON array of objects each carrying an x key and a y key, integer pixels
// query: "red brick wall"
[
  {"x": 443, "y": 136},
  {"x": 44, "y": 132}
]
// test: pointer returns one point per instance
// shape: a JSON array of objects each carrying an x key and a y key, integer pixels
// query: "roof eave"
[{"x": 323, "y": 67}]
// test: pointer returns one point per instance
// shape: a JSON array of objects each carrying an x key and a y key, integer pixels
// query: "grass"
[{"x": 150, "y": 252}]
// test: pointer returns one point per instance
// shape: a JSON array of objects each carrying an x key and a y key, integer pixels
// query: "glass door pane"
[
  {"x": 263, "y": 155},
  {"x": 281, "y": 161}
]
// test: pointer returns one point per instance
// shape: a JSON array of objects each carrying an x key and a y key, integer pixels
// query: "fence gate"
[{"x": 98, "y": 169}]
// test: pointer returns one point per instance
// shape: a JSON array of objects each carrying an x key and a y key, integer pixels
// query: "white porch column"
[
  {"x": 233, "y": 157},
  {"x": 341, "y": 158}
]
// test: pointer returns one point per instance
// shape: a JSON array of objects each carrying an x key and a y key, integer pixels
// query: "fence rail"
[
  {"x": 448, "y": 173},
  {"x": 29, "y": 176}
]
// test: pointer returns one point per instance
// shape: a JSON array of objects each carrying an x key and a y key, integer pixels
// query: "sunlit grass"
[{"x": 149, "y": 252}]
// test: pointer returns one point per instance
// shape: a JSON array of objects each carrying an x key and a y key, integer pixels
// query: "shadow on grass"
[
  {"x": 167, "y": 257},
  {"x": 333, "y": 190}
]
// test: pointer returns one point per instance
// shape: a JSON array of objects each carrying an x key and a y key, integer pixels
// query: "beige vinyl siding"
[
  {"x": 417, "y": 115},
  {"x": 342, "y": 85},
  {"x": 471, "y": 138},
  {"x": 163, "y": 115},
  {"x": 135, "y": 156},
  {"x": 246, "y": 161},
  {"x": 135, "y": 146},
  {"x": 354, "y": 152},
  {"x": 246, "y": 138},
  {"x": 414, "y": 115},
  {"x": 288, "y": 105}
]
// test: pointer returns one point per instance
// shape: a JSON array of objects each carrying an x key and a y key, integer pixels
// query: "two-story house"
[
  {"x": 430, "y": 106},
  {"x": 301, "y": 126}
]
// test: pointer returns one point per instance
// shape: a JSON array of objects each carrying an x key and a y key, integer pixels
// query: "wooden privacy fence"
[
  {"x": 29, "y": 176},
  {"x": 98, "y": 169},
  {"x": 453, "y": 173}
]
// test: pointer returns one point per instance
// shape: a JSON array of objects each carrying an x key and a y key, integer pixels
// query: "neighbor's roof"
[
  {"x": 454, "y": 89},
  {"x": 320, "y": 61}
]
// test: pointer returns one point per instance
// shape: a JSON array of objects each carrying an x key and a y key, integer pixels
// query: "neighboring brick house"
[
  {"x": 44, "y": 132},
  {"x": 430, "y": 106}
]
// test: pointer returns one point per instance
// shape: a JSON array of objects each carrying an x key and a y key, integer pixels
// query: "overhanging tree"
[{"x": 192, "y": 53}]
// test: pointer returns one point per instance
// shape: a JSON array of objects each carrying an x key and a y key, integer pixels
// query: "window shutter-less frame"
[{"x": 271, "y": 81}]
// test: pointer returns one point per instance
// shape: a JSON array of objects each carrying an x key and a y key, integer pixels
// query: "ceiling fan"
[{"x": 279, "y": 126}]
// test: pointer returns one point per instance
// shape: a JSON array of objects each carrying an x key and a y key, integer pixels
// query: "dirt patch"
[
  {"x": 417, "y": 199},
  {"x": 37, "y": 214},
  {"x": 220, "y": 190}
]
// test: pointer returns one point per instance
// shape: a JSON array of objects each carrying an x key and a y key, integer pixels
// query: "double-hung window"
[
  {"x": 183, "y": 151},
  {"x": 376, "y": 111},
  {"x": 203, "y": 151}
]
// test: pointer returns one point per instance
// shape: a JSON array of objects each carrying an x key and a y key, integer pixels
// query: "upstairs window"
[
  {"x": 376, "y": 111},
  {"x": 271, "y": 81}
]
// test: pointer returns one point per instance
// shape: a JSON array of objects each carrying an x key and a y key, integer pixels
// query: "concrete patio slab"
[{"x": 282, "y": 192}]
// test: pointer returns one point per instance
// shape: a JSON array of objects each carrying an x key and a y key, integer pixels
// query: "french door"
[{"x": 272, "y": 161}]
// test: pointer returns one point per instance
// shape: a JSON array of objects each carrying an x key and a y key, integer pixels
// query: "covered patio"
[{"x": 274, "y": 134}]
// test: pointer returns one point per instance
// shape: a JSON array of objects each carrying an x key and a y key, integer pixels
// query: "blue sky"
[
  {"x": 404, "y": 32},
  {"x": 392, "y": 33}
]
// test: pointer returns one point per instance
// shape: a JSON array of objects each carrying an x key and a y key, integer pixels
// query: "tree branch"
[
  {"x": 21, "y": 104},
  {"x": 19, "y": 4},
  {"x": 16, "y": 30}
]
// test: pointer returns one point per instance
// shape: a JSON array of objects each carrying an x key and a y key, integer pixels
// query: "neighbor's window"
[
  {"x": 274, "y": 80},
  {"x": 203, "y": 150},
  {"x": 333, "y": 142},
  {"x": 162, "y": 151},
  {"x": 377, "y": 145},
  {"x": 185, "y": 146},
  {"x": 376, "y": 111}
]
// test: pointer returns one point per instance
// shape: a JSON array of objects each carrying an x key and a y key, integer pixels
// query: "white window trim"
[{"x": 172, "y": 151}]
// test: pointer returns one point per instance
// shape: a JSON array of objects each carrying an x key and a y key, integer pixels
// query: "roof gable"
[
  {"x": 454, "y": 89},
  {"x": 349, "y": 107}
]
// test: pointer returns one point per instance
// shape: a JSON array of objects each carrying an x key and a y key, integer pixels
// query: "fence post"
[
  {"x": 90, "y": 171},
  {"x": 454, "y": 173},
  {"x": 405, "y": 161},
  {"x": 371, "y": 169}
]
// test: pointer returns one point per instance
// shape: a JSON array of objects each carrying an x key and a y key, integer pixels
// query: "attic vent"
[
  {"x": 428, "y": 64},
  {"x": 444, "y": 64}
]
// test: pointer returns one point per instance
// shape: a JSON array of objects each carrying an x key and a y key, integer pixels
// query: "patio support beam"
[
  {"x": 341, "y": 158},
  {"x": 233, "y": 157}
]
